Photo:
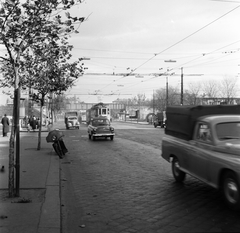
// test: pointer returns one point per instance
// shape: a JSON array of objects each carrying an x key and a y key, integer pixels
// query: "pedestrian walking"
[
  {"x": 34, "y": 123},
  {"x": 5, "y": 123}
]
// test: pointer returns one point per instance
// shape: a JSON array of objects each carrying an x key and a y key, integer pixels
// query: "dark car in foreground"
[
  {"x": 100, "y": 127},
  {"x": 204, "y": 142}
]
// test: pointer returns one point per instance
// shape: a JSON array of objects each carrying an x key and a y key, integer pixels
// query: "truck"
[
  {"x": 98, "y": 110},
  {"x": 204, "y": 142},
  {"x": 160, "y": 119},
  {"x": 71, "y": 120}
]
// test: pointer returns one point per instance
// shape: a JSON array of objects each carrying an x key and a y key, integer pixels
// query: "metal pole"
[
  {"x": 153, "y": 103},
  {"x": 166, "y": 92},
  {"x": 182, "y": 86}
]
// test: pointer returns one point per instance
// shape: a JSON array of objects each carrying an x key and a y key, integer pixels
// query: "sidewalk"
[{"x": 37, "y": 210}]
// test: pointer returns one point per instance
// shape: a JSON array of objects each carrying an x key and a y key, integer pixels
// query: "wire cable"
[{"x": 151, "y": 58}]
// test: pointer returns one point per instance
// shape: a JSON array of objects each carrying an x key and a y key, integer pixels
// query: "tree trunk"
[
  {"x": 11, "y": 180},
  {"x": 11, "y": 164},
  {"x": 17, "y": 138}
]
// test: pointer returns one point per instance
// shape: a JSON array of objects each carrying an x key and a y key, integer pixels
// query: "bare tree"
[
  {"x": 160, "y": 99},
  {"x": 174, "y": 97},
  {"x": 210, "y": 88},
  {"x": 228, "y": 89},
  {"x": 192, "y": 93}
]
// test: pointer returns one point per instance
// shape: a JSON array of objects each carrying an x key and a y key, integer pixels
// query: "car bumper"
[{"x": 103, "y": 134}]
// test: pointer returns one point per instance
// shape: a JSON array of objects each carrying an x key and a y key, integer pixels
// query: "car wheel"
[
  {"x": 89, "y": 136},
  {"x": 111, "y": 137},
  {"x": 231, "y": 190},
  {"x": 155, "y": 125},
  {"x": 93, "y": 138},
  {"x": 177, "y": 173}
]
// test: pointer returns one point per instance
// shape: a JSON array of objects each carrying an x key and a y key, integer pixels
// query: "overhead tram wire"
[
  {"x": 205, "y": 54},
  {"x": 156, "y": 54},
  {"x": 105, "y": 50},
  {"x": 167, "y": 72}
]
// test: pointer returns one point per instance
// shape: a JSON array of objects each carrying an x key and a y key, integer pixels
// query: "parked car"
[{"x": 100, "y": 127}]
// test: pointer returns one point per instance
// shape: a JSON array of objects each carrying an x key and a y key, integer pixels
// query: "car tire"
[
  {"x": 177, "y": 173},
  {"x": 155, "y": 126},
  {"x": 111, "y": 137},
  {"x": 231, "y": 190},
  {"x": 93, "y": 138},
  {"x": 89, "y": 136}
]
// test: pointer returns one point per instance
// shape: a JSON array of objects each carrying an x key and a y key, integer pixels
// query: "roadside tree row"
[
  {"x": 193, "y": 94},
  {"x": 35, "y": 35}
]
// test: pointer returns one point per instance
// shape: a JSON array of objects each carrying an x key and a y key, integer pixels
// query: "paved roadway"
[{"x": 125, "y": 186}]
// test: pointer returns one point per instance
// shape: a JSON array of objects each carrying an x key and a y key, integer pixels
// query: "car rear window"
[{"x": 72, "y": 118}]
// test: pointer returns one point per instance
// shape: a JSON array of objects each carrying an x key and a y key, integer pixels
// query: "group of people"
[{"x": 33, "y": 123}]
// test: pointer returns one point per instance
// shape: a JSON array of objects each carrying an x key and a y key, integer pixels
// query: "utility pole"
[
  {"x": 166, "y": 92},
  {"x": 181, "y": 85},
  {"x": 153, "y": 103}
]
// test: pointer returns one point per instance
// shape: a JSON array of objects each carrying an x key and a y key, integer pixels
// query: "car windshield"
[
  {"x": 100, "y": 122},
  {"x": 72, "y": 118},
  {"x": 228, "y": 130}
]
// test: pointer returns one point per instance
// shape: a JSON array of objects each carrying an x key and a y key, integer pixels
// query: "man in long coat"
[{"x": 5, "y": 123}]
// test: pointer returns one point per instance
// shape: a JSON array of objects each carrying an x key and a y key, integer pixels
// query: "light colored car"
[
  {"x": 100, "y": 127},
  {"x": 72, "y": 122}
]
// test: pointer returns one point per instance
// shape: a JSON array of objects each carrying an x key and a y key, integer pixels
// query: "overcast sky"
[{"x": 203, "y": 37}]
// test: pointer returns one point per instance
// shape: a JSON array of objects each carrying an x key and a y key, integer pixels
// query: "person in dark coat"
[
  {"x": 34, "y": 123},
  {"x": 5, "y": 123}
]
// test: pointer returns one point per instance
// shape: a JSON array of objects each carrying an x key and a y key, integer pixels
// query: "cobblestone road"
[{"x": 125, "y": 186}]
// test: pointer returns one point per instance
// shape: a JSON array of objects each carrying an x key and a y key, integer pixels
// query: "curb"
[{"x": 50, "y": 219}]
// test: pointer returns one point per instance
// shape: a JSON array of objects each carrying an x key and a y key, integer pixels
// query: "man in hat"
[{"x": 5, "y": 123}]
